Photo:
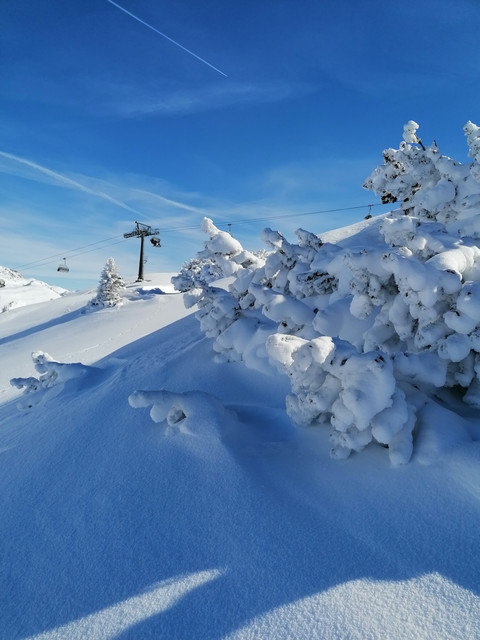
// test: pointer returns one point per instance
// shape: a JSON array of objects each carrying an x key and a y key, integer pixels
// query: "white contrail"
[{"x": 167, "y": 37}]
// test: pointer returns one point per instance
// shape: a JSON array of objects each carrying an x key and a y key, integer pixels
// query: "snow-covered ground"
[
  {"x": 17, "y": 291},
  {"x": 217, "y": 518}
]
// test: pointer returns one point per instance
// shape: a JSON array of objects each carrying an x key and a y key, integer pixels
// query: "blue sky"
[{"x": 104, "y": 121}]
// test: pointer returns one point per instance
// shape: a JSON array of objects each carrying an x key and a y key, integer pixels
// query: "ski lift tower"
[{"x": 142, "y": 231}]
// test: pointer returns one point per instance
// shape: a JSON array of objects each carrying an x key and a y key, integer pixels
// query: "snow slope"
[
  {"x": 223, "y": 520},
  {"x": 17, "y": 291}
]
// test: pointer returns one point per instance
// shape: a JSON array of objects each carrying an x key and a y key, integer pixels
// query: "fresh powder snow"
[
  {"x": 218, "y": 518},
  {"x": 286, "y": 445}
]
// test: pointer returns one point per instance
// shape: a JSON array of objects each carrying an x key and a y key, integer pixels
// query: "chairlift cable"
[
  {"x": 66, "y": 253},
  {"x": 73, "y": 253},
  {"x": 307, "y": 213}
]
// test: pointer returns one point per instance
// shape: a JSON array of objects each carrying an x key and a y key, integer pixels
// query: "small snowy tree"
[{"x": 109, "y": 288}]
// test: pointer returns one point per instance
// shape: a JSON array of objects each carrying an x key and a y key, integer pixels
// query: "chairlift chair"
[{"x": 63, "y": 266}]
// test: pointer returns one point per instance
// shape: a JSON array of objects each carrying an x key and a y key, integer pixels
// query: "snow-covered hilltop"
[{"x": 17, "y": 291}]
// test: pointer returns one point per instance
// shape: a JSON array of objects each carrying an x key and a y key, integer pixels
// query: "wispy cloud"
[
  {"x": 116, "y": 194},
  {"x": 168, "y": 201},
  {"x": 39, "y": 227},
  {"x": 314, "y": 178},
  {"x": 16, "y": 165},
  {"x": 125, "y": 102}
]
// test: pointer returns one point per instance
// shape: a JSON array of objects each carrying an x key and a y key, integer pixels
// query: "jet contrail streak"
[{"x": 167, "y": 37}]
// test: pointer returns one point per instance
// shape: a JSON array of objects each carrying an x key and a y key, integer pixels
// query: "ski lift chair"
[{"x": 63, "y": 266}]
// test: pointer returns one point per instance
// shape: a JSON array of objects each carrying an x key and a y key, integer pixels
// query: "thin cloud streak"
[
  {"x": 44, "y": 174},
  {"x": 167, "y": 38},
  {"x": 173, "y": 203},
  {"x": 62, "y": 180},
  {"x": 212, "y": 98}
]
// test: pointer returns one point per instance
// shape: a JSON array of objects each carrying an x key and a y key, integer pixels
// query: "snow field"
[
  {"x": 154, "y": 486},
  {"x": 218, "y": 518}
]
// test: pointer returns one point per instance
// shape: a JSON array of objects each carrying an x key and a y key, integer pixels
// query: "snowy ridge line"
[
  {"x": 120, "y": 617},
  {"x": 65, "y": 318}
]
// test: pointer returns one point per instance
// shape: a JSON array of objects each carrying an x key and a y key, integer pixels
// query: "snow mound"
[
  {"x": 52, "y": 374},
  {"x": 190, "y": 412}
]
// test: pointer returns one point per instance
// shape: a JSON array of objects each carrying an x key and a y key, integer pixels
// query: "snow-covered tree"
[
  {"x": 363, "y": 328},
  {"x": 109, "y": 288}
]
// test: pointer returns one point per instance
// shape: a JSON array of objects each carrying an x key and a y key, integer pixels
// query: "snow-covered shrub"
[
  {"x": 197, "y": 272},
  {"x": 226, "y": 315},
  {"x": 109, "y": 288},
  {"x": 364, "y": 325},
  {"x": 355, "y": 392},
  {"x": 52, "y": 373},
  {"x": 221, "y": 257},
  {"x": 429, "y": 185}
]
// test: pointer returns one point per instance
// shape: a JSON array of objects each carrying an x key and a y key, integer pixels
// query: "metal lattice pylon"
[{"x": 142, "y": 231}]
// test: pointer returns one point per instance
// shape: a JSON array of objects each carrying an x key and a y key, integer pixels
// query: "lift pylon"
[{"x": 142, "y": 231}]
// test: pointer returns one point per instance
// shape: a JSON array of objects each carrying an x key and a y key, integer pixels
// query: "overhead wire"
[
  {"x": 278, "y": 217},
  {"x": 81, "y": 253},
  {"x": 74, "y": 253},
  {"x": 67, "y": 253},
  {"x": 307, "y": 213}
]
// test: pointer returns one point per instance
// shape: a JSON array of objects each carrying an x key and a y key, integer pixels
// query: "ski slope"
[{"x": 223, "y": 521}]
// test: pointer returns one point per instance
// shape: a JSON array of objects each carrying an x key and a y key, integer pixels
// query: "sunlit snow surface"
[
  {"x": 17, "y": 291},
  {"x": 216, "y": 518}
]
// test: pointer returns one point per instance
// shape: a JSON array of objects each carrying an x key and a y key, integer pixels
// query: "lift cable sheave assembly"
[{"x": 142, "y": 231}]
